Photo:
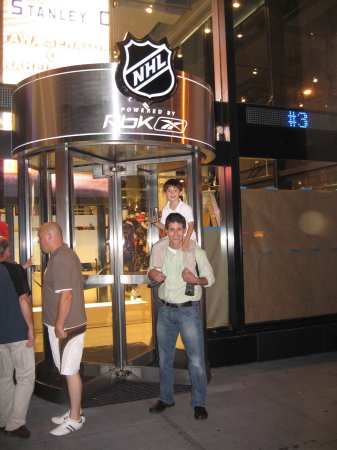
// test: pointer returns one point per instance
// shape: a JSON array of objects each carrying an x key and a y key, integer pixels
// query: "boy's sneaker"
[
  {"x": 189, "y": 289},
  {"x": 60, "y": 419},
  {"x": 67, "y": 427}
]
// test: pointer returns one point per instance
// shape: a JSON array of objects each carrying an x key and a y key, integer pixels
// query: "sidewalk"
[{"x": 276, "y": 405}]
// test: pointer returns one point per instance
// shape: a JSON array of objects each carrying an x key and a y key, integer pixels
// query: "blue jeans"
[{"x": 187, "y": 322}]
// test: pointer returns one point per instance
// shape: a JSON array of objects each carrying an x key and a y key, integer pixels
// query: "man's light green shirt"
[{"x": 173, "y": 289}]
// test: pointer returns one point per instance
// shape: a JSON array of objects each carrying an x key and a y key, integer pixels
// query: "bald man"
[{"x": 63, "y": 313}]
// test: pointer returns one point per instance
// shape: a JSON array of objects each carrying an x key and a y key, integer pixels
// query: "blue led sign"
[
  {"x": 298, "y": 119},
  {"x": 280, "y": 117}
]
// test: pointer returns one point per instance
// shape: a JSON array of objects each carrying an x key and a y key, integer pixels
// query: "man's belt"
[{"x": 177, "y": 305}]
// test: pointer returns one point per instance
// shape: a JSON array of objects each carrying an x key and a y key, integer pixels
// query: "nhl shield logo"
[{"x": 145, "y": 70}]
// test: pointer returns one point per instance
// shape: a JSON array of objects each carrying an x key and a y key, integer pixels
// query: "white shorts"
[{"x": 67, "y": 353}]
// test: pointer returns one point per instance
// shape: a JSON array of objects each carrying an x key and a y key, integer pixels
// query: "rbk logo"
[
  {"x": 145, "y": 70},
  {"x": 169, "y": 124},
  {"x": 162, "y": 124}
]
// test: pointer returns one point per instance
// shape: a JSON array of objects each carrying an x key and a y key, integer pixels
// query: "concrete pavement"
[{"x": 276, "y": 405}]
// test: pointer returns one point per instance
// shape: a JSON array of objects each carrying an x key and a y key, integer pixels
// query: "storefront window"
[
  {"x": 285, "y": 55},
  {"x": 215, "y": 245},
  {"x": 289, "y": 224},
  {"x": 186, "y": 25},
  {"x": 195, "y": 55},
  {"x": 9, "y": 204}
]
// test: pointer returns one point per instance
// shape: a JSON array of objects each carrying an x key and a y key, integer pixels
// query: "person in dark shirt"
[{"x": 17, "y": 339}]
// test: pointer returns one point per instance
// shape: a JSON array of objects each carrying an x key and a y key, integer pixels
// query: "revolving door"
[
  {"x": 107, "y": 217},
  {"x": 95, "y": 163}
]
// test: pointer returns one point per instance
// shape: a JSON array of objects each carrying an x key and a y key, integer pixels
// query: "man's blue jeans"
[{"x": 187, "y": 322}]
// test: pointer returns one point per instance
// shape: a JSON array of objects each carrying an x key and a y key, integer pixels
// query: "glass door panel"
[
  {"x": 41, "y": 186},
  {"x": 35, "y": 271},
  {"x": 137, "y": 296},
  {"x": 92, "y": 245},
  {"x": 140, "y": 194},
  {"x": 163, "y": 177}
]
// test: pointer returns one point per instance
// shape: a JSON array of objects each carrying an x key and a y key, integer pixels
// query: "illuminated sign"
[
  {"x": 145, "y": 70},
  {"x": 281, "y": 117},
  {"x": 298, "y": 119},
  {"x": 10, "y": 166},
  {"x": 40, "y": 35}
]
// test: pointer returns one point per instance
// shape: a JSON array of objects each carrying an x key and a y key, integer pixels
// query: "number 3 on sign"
[{"x": 298, "y": 119}]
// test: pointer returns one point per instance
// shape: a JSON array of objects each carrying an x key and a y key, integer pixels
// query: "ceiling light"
[
  {"x": 255, "y": 71},
  {"x": 179, "y": 54},
  {"x": 149, "y": 9},
  {"x": 315, "y": 80},
  {"x": 115, "y": 52},
  {"x": 236, "y": 5},
  {"x": 243, "y": 99},
  {"x": 307, "y": 91},
  {"x": 239, "y": 32},
  {"x": 207, "y": 28}
]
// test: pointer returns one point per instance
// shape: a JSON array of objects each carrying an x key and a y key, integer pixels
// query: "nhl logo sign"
[{"x": 145, "y": 70}]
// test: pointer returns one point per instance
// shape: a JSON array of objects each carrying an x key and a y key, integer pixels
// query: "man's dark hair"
[
  {"x": 4, "y": 244},
  {"x": 175, "y": 217},
  {"x": 172, "y": 182}
]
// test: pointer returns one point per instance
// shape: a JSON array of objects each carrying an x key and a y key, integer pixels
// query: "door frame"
[{"x": 104, "y": 374}]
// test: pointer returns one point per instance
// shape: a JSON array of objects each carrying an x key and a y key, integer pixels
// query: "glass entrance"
[{"x": 107, "y": 221}]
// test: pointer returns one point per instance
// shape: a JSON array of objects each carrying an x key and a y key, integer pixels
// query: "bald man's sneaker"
[
  {"x": 160, "y": 407},
  {"x": 200, "y": 413},
  {"x": 60, "y": 419},
  {"x": 67, "y": 427}
]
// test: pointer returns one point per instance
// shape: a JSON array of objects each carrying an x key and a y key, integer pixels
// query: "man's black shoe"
[
  {"x": 160, "y": 407},
  {"x": 200, "y": 413},
  {"x": 21, "y": 432}
]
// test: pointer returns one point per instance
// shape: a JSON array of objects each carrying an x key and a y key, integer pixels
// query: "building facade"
[{"x": 264, "y": 199}]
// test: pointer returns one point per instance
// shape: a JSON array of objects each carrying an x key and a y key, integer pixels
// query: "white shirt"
[{"x": 185, "y": 210}]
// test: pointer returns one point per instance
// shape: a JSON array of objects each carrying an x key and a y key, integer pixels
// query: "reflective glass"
[
  {"x": 36, "y": 269},
  {"x": 215, "y": 245},
  {"x": 183, "y": 23},
  {"x": 137, "y": 296},
  {"x": 285, "y": 53},
  {"x": 91, "y": 215}
]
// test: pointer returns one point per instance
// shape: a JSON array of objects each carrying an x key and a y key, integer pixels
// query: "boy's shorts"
[{"x": 67, "y": 353}]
